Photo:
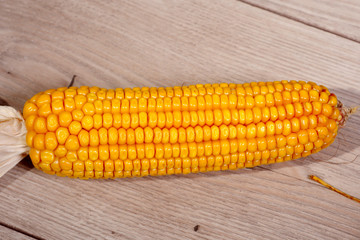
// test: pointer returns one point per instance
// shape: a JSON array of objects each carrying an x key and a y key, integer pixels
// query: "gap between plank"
[
  {"x": 297, "y": 20},
  {"x": 21, "y": 231}
]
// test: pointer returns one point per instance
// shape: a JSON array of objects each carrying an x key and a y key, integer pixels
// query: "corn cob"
[{"x": 91, "y": 132}]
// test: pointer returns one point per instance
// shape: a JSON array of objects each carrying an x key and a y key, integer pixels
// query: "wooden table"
[{"x": 164, "y": 43}]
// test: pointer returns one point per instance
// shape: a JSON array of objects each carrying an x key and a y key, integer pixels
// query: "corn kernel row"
[
  {"x": 246, "y": 89},
  {"x": 77, "y": 121},
  {"x": 90, "y": 106},
  {"x": 301, "y": 140},
  {"x": 144, "y": 167},
  {"x": 73, "y": 137}
]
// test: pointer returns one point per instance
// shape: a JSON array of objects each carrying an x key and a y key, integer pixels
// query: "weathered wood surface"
[
  {"x": 7, "y": 234},
  {"x": 155, "y": 43},
  {"x": 338, "y": 17}
]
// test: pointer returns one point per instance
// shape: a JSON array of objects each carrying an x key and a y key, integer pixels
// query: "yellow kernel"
[
  {"x": 65, "y": 119},
  {"x": 269, "y": 100},
  {"x": 161, "y": 121},
  {"x": 157, "y": 135},
  {"x": 126, "y": 120},
  {"x": 324, "y": 97},
  {"x": 215, "y": 101},
  {"x": 165, "y": 135},
  {"x": 39, "y": 141},
  {"x": 98, "y": 105},
  {"x": 50, "y": 141},
  {"x": 43, "y": 99},
  {"x": 104, "y": 152},
  {"x": 298, "y": 109},
  {"x": 115, "y": 106},
  {"x": 72, "y": 143},
  {"x": 55, "y": 165},
  {"x": 208, "y": 102},
  {"x": 252, "y": 145},
  {"x": 51, "y": 122},
  {"x": 83, "y": 90},
  {"x": 292, "y": 139},
  {"x": 251, "y": 131},
  {"x": 173, "y": 135},
  {"x": 271, "y": 142},
  {"x": 130, "y": 136},
  {"x": 215, "y": 133},
  {"x": 44, "y": 110},
  {"x": 57, "y": 107},
  {"x": 94, "y": 138},
  {"x": 317, "y": 108},
  {"x": 99, "y": 166},
  {"x": 80, "y": 100},
  {"x": 30, "y": 138},
  {"x": 295, "y": 124},
  {"x": 65, "y": 164},
  {"x": 218, "y": 117},
  {"x": 280, "y": 141},
  {"x": 241, "y": 131},
  {"x": 113, "y": 135},
  {"x": 34, "y": 155},
  {"x": 286, "y": 97},
  {"x": 312, "y": 121},
  {"x": 75, "y": 127},
  {"x": 224, "y": 132},
  {"x": 29, "y": 122},
  {"x": 87, "y": 122},
  {"x": 60, "y": 151},
  {"x": 91, "y": 97},
  {"x": 88, "y": 109},
  {"x": 84, "y": 138},
  {"x": 77, "y": 115},
  {"x": 149, "y": 135},
  {"x": 83, "y": 153},
  {"x": 109, "y": 166},
  {"x": 29, "y": 109},
  {"x": 103, "y": 135},
  {"x": 69, "y": 104},
  {"x": 122, "y": 136},
  {"x": 98, "y": 121},
  {"x": 186, "y": 163},
  {"x": 261, "y": 129},
  {"x": 209, "y": 117},
  {"x": 303, "y": 137},
  {"x": 318, "y": 143},
  {"x": 260, "y": 101},
  {"x": 327, "y": 110},
  {"x": 286, "y": 127},
  {"x": 290, "y": 111},
  {"x": 108, "y": 120},
  {"x": 93, "y": 153},
  {"x": 40, "y": 125},
  {"x": 153, "y": 166},
  {"x": 332, "y": 100},
  {"x": 78, "y": 166},
  {"x": 62, "y": 134},
  {"x": 322, "y": 132}
]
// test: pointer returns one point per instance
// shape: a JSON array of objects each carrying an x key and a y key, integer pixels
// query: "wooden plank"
[
  {"x": 7, "y": 234},
  {"x": 338, "y": 17},
  {"x": 160, "y": 44},
  {"x": 250, "y": 204}
]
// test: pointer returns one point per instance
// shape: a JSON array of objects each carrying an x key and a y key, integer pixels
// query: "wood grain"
[
  {"x": 338, "y": 17},
  {"x": 155, "y": 43},
  {"x": 7, "y": 234}
]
